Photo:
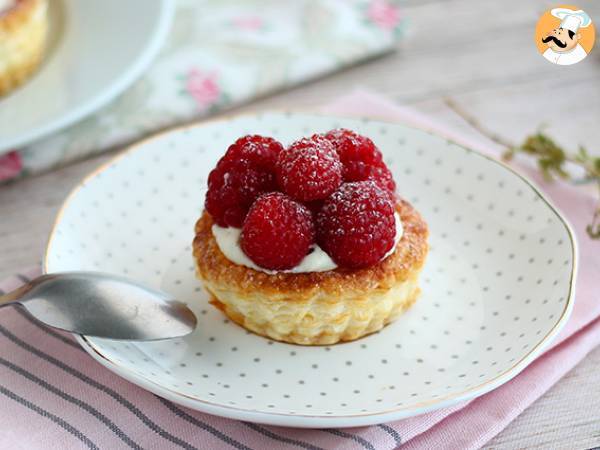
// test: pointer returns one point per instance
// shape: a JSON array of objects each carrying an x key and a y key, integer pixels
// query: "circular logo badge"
[{"x": 565, "y": 35}]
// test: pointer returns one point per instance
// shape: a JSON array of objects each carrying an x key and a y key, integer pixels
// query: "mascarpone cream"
[{"x": 228, "y": 240}]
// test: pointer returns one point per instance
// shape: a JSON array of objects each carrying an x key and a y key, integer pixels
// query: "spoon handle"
[{"x": 16, "y": 295}]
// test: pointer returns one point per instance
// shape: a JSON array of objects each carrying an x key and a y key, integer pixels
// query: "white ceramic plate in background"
[
  {"x": 497, "y": 285},
  {"x": 96, "y": 49}
]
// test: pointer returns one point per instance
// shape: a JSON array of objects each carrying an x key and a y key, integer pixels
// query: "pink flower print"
[
  {"x": 384, "y": 14},
  {"x": 203, "y": 87},
  {"x": 248, "y": 23},
  {"x": 11, "y": 166}
]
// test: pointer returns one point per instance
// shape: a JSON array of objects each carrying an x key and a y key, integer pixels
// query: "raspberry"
[
  {"x": 381, "y": 175},
  {"x": 278, "y": 232},
  {"x": 356, "y": 225},
  {"x": 309, "y": 169},
  {"x": 261, "y": 150},
  {"x": 361, "y": 158},
  {"x": 353, "y": 147},
  {"x": 242, "y": 174}
]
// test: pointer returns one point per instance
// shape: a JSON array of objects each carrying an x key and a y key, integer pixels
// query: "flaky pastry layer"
[{"x": 315, "y": 308}]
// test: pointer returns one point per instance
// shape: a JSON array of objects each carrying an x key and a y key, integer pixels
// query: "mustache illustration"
[{"x": 556, "y": 41}]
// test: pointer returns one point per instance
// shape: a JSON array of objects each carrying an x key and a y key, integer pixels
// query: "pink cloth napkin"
[{"x": 55, "y": 396}]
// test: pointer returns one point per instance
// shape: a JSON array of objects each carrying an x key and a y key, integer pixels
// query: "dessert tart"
[
  {"x": 23, "y": 28},
  {"x": 309, "y": 244}
]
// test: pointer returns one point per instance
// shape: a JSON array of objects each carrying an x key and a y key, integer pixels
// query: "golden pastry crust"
[
  {"x": 23, "y": 29},
  {"x": 315, "y": 308}
]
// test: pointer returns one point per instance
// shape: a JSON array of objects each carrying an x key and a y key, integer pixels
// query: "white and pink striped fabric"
[{"x": 54, "y": 396}]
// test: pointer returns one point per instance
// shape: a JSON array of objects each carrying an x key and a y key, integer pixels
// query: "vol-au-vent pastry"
[
  {"x": 23, "y": 29},
  {"x": 308, "y": 244}
]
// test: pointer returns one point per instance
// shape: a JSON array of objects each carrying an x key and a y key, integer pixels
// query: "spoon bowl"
[{"x": 102, "y": 305}]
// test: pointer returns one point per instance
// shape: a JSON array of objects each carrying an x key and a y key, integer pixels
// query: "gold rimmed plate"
[{"x": 497, "y": 285}]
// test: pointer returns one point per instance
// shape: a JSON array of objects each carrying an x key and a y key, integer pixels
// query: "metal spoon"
[{"x": 102, "y": 305}]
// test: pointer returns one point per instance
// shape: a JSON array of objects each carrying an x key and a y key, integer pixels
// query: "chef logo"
[{"x": 565, "y": 35}]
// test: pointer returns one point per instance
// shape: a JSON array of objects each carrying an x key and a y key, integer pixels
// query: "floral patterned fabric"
[{"x": 221, "y": 53}]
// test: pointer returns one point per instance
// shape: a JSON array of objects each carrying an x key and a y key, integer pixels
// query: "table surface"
[{"x": 481, "y": 54}]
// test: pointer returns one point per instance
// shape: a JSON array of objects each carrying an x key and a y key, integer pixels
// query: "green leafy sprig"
[{"x": 551, "y": 159}]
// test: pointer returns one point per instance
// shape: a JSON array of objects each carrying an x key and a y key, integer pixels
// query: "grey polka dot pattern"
[{"x": 496, "y": 281}]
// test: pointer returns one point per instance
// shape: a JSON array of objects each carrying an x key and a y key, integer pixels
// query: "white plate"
[
  {"x": 96, "y": 49},
  {"x": 497, "y": 285}
]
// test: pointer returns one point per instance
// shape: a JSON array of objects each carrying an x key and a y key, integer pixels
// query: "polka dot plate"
[{"x": 496, "y": 288}]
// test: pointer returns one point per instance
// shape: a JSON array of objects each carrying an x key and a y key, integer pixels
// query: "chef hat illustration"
[{"x": 571, "y": 20}]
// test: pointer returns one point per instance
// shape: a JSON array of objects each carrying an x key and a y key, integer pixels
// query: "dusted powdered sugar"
[
  {"x": 228, "y": 240},
  {"x": 309, "y": 169}
]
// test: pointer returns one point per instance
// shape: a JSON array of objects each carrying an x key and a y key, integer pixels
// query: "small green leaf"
[{"x": 551, "y": 159}]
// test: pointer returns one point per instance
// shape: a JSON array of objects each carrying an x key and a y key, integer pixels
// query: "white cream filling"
[{"x": 228, "y": 240}]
